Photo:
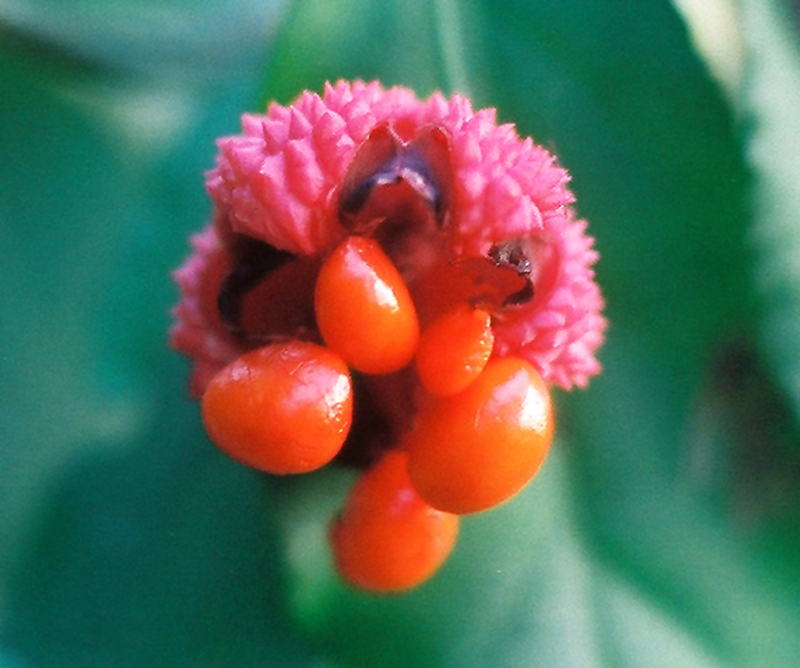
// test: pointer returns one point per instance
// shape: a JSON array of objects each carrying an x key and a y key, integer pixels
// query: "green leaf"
[
  {"x": 772, "y": 97},
  {"x": 175, "y": 39},
  {"x": 150, "y": 555},
  {"x": 426, "y": 48},
  {"x": 521, "y": 585},
  {"x": 120, "y": 540},
  {"x": 647, "y": 138},
  {"x": 657, "y": 166},
  {"x": 52, "y": 400}
]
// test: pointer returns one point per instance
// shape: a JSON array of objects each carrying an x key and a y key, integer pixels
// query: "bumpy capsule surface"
[
  {"x": 364, "y": 310},
  {"x": 284, "y": 408},
  {"x": 387, "y": 538},
  {"x": 476, "y": 449}
]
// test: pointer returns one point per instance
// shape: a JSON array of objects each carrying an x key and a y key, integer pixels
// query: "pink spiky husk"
[{"x": 277, "y": 182}]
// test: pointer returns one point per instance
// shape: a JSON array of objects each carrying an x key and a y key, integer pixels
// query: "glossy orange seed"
[
  {"x": 387, "y": 539},
  {"x": 284, "y": 408},
  {"x": 454, "y": 349},
  {"x": 363, "y": 308},
  {"x": 476, "y": 449}
]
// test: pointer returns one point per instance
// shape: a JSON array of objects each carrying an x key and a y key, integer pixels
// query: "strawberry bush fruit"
[{"x": 393, "y": 285}]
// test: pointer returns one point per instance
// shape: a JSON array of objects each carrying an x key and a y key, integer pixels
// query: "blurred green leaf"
[
  {"x": 521, "y": 587},
  {"x": 100, "y": 187},
  {"x": 772, "y": 96},
  {"x": 149, "y": 555},
  {"x": 617, "y": 91},
  {"x": 213, "y": 40},
  {"x": 51, "y": 224},
  {"x": 647, "y": 138},
  {"x": 417, "y": 43}
]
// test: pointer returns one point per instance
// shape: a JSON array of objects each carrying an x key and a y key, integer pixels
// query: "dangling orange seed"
[
  {"x": 364, "y": 310},
  {"x": 454, "y": 349},
  {"x": 387, "y": 538},
  {"x": 284, "y": 408},
  {"x": 476, "y": 449}
]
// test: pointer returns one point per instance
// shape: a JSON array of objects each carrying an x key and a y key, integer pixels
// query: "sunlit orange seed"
[
  {"x": 387, "y": 538},
  {"x": 284, "y": 408},
  {"x": 364, "y": 310},
  {"x": 474, "y": 450},
  {"x": 454, "y": 349}
]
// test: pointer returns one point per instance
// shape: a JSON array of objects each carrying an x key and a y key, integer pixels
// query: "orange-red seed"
[
  {"x": 284, "y": 408},
  {"x": 476, "y": 449},
  {"x": 387, "y": 538},
  {"x": 364, "y": 310},
  {"x": 454, "y": 349}
]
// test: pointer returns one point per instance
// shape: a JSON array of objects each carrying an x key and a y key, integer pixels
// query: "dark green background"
[{"x": 665, "y": 527}]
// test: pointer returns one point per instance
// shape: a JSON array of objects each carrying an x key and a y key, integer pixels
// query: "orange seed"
[
  {"x": 284, "y": 408},
  {"x": 387, "y": 538},
  {"x": 476, "y": 449},
  {"x": 364, "y": 310},
  {"x": 454, "y": 349}
]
